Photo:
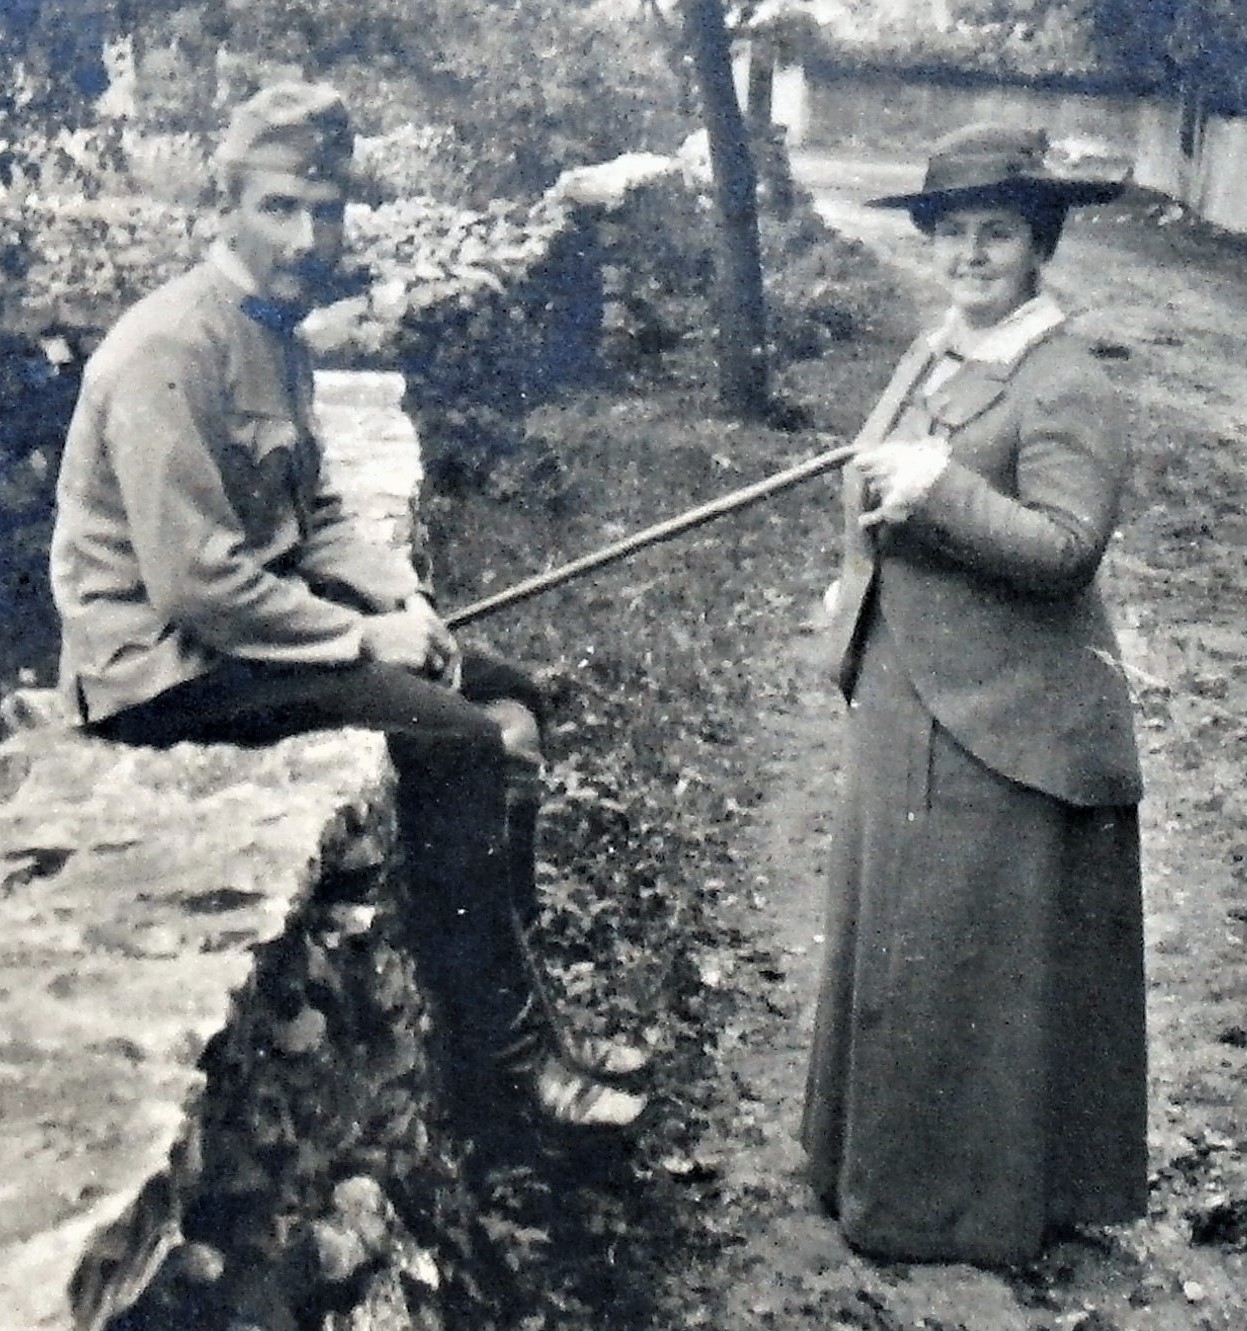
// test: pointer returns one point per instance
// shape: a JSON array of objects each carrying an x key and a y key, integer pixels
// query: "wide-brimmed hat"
[
  {"x": 300, "y": 128},
  {"x": 990, "y": 164}
]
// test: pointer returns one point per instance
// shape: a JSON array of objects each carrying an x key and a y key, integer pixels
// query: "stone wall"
[{"x": 214, "y": 1074}]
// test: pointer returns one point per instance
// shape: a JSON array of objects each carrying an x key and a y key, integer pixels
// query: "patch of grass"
[{"x": 653, "y": 667}]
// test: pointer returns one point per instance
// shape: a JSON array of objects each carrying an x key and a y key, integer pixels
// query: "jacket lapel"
[
  {"x": 858, "y": 546},
  {"x": 858, "y": 563},
  {"x": 969, "y": 393},
  {"x": 909, "y": 370}
]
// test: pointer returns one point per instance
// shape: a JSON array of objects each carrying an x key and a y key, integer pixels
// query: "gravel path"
[{"x": 1167, "y": 306}]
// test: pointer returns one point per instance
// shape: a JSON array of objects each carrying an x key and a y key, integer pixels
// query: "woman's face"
[{"x": 987, "y": 260}]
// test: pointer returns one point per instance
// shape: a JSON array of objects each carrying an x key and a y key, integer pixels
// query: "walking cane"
[{"x": 661, "y": 531}]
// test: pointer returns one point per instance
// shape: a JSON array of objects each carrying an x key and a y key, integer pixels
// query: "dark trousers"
[{"x": 467, "y": 807}]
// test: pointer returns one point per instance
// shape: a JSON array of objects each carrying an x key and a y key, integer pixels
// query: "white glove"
[{"x": 900, "y": 474}]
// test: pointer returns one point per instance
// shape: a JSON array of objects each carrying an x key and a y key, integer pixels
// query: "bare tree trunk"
[
  {"x": 770, "y": 149},
  {"x": 741, "y": 309},
  {"x": 761, "y": 84}
]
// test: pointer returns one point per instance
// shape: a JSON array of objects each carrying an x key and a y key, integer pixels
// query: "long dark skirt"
[{"x": 978, "y": 1076}]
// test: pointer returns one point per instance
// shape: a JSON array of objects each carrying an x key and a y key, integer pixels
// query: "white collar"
[
  {"x": 1003, "y": 342},
  {"x": 227, "y": 262}
]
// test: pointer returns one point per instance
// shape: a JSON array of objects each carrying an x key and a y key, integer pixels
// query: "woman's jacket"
[{"x": 990, "y": 588}]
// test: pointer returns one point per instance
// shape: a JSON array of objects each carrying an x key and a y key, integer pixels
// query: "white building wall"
[
  {"x": 740, "y": 73},
  {"x": 790, "y": 96},
  {"x": 1212, "y": 181},
  {"x": 790, "y": 102},
  {"x": 1158, "y": 155},
  {"x": 1220, "y": 184}
]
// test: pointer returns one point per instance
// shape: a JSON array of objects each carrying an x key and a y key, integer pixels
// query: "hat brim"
[{"x": 1069, "y": 193}]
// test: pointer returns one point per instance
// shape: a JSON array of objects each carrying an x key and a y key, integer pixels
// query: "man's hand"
[
  {"x": 899, "y": 474},
  {"x": 414, "y": 638}
]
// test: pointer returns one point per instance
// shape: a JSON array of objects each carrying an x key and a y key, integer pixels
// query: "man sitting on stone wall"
[{"x": 210, "y": 589}]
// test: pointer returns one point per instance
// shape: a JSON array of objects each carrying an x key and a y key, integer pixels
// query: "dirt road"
[{"x": 1168, "y": 306}]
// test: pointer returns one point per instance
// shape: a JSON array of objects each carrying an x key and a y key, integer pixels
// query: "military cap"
[{"x": 301, "y": 128}]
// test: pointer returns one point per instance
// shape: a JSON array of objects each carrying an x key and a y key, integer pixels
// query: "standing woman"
[{"x": 977, "y": 1083}]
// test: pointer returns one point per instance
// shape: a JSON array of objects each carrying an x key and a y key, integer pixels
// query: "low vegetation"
[{"x": 654, "y": 670}]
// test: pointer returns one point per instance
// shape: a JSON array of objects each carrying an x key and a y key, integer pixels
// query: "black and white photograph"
[{"x": 623, "y": 665}]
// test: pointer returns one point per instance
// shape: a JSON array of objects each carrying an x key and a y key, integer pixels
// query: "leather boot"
[{"x": 576, "y": 1081}]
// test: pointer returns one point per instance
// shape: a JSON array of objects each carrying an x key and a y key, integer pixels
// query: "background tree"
[
  {"x": 51, "y": 61},
  {"x": 778, "y": 32},
  {"x": 1000, "y": 38},
  {"x": 775, "y": 33},
  {"x": 529, "y": 89},
  {"x": 1197, "y": 48},
  {"x": 739, "y": 301}
]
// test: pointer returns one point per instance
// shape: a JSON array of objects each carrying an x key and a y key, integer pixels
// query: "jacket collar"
[
  {"x": 1002, "y": 344},
  {"x": 281, "y": 317}
]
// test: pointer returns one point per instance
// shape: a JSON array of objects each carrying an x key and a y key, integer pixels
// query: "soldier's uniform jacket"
[
  {"x": 990, "y": 587},
  {"x": 193, "y": 519}
]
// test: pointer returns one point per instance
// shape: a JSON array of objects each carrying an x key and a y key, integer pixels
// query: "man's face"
[{"x": 287, "y": 231}]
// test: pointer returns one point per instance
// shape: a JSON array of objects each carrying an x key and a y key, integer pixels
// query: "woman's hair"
[{"x": 1044, "y": 214}]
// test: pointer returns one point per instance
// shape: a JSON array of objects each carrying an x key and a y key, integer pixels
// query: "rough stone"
[
  {"x": 373, "y": 457},
  {"x": 137, "y": 889}
]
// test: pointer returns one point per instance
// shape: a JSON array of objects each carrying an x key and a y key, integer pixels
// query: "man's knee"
[
  {"x": 521, "y": 734},
  {"x": 486, "y": 679}
]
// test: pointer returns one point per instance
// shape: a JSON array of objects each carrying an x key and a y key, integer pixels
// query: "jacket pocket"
[{"x": 262, "y": 470}]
